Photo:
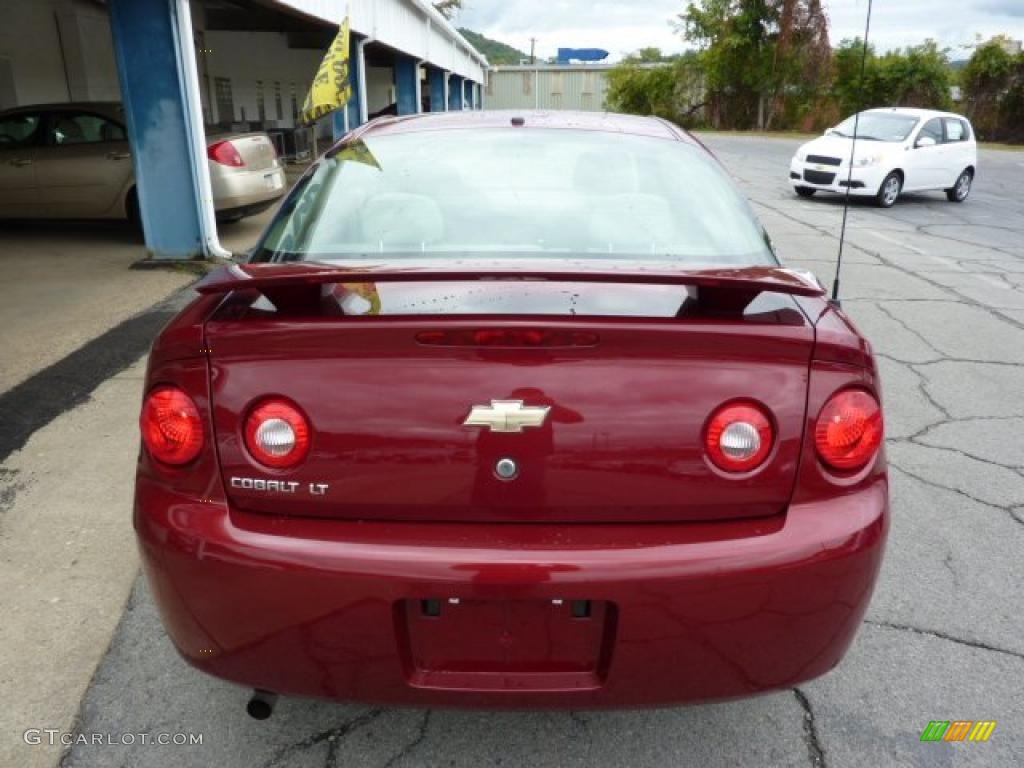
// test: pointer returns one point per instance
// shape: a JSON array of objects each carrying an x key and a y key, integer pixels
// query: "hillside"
[{"x": 495, "y": 51}]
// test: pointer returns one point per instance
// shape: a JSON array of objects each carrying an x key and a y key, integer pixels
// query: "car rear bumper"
[
  {"x": 865, "y": 181},
  {"x": 681, "y": 612},
  {"x": 242, "y": 189}
]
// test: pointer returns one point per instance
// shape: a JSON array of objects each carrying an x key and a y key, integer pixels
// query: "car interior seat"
[
  {"x": 68, "y": 131},
  {"x": 111, "y": 132},
  {"x": 401, "y": 222},
  {"x": 633, "y": 223}
]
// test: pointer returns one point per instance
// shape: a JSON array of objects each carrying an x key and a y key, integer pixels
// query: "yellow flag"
[
  {"x": 331, "y": 88},
  {"x": 358, "y": 152}
]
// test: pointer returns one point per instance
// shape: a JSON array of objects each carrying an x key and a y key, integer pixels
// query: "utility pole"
[{"x": 533, "y": 50}]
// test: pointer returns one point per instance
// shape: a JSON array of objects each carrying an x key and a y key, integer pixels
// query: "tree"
[
  {"x": 801, "y": 65},
  {"x": 1011, "y": 106},
  {"x": 732, "y": 37},
  {"x": 672, "y": 90},
  {"x": 763, "y": 58},
  {"x": 987, "y": 80},
  {"x": 918, "y": 76},
  {"x": 497, "y": 53},
  {"x": 651, "y": 55},
  {"x": 847, "y": 89},
  {"x": 448, "y": 7}
]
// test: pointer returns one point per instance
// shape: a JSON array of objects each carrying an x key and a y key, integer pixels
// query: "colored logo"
[{"x": 958, "y": 730}]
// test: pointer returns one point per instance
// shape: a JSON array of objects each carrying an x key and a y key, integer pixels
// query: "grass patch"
[
  {"x": 1001, "y": 147},
  {"x": 809, "y": 136},
  {"x": 759, "y": 134}
]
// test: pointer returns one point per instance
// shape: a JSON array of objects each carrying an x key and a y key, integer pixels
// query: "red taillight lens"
[
  {"x": 224, "y": 152},
  {"x": 172, "y": 429},
  {"x": 277, "y": 434},
  {"x": 739, "y": 437},
  {"x": 849, "y": 430}
]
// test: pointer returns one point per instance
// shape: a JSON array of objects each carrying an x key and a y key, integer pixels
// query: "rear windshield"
[{"x": 534, "y": 192}]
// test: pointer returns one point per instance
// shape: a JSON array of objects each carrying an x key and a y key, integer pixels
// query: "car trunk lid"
[
  {"x": 391, "y": 394},
  {"x": 256, "y": 149}
]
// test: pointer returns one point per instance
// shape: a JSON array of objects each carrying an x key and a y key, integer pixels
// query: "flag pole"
[{"x": 348, "y": 17}]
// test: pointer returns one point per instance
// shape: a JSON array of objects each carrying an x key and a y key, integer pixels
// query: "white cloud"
[
  {"x": 622, "y": 27},
  {"x": 953, "y": 23},
  {"x": 618, "y": 27}
]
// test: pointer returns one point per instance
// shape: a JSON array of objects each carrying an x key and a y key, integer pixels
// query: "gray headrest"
[
  {"x": 402, "y": 221},
  {"x": 636, "y": 222},
  {"x": 601, "y": 174}
]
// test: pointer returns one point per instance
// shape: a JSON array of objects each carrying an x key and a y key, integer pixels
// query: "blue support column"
[
  {"x": 455, "y": 93},
  {"x": 438, "y": 98},
  {"x": 339, "y": 125},
  {"x": 407, "y": 80},
  {"x": 355, "y": 64},
  {"x": 159, "y": 128}
]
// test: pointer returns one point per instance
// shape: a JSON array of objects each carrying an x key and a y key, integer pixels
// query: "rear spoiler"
[{"x": 739, "y": 284}]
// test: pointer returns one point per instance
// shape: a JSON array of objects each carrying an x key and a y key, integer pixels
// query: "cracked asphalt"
[{"x": 939, "y": 289}]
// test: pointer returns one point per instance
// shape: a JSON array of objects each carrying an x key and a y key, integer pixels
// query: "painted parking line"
[
  {"x": 992, "y": 281},
  {"x": 981, "y": 276},
  {"x": 948, "y": 263},
  {"x": 900, "y": 243}
]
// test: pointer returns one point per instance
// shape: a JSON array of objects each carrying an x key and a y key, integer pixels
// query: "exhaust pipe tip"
[{"x": 261, "y": 705}]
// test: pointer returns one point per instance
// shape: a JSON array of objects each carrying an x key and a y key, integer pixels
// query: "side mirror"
[
  {"x": 925, "y": 141},
  {"x": 828, "y": 132}
]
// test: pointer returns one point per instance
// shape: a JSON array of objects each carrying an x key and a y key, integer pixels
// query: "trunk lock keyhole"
[{"x": 506, "y": 469}]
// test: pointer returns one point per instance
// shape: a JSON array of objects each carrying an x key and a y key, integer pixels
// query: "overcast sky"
[{"x": 622, "y": 27}]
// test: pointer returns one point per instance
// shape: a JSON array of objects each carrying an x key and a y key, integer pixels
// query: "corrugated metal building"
[
  {"x": 417, "y": 46},
  {"x": 412, "y": 27},
  {"x": 573, "y": 87}
]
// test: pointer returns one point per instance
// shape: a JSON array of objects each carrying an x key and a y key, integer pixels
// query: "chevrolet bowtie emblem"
[{"x": 507, "y": 416}]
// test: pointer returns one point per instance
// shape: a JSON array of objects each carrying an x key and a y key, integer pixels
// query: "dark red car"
[{"x": 512, "y": 411}]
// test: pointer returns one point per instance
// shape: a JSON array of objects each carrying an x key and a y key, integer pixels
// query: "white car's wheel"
[
  {"x": 890, "y": 190},
  {"x": 959, "y": 191}
]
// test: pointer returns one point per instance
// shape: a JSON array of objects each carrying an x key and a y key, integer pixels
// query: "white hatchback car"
[{"x": 898, "y": 150}]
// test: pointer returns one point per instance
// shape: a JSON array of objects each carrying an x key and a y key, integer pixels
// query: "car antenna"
[{"x": 853, "y": 150}]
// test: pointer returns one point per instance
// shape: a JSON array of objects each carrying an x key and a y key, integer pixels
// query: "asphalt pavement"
[{"x": 939, "y": 290}]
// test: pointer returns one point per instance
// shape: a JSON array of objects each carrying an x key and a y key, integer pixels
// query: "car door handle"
[
  {"x": 118, "y": 155},
  {"x": 20, "y": 162}
]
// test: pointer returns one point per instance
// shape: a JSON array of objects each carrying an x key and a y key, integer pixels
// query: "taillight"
[
  {"x": 739, "y": 437},
  {"x": 225, "y": 153},
  {"x": 277, "y": 434},
  {"x": 849, "y": 430},
  {"x": 172, "y": 429}
]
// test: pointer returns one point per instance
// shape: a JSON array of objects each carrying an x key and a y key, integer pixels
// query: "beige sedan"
[{"x": 72, "y": 161}]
